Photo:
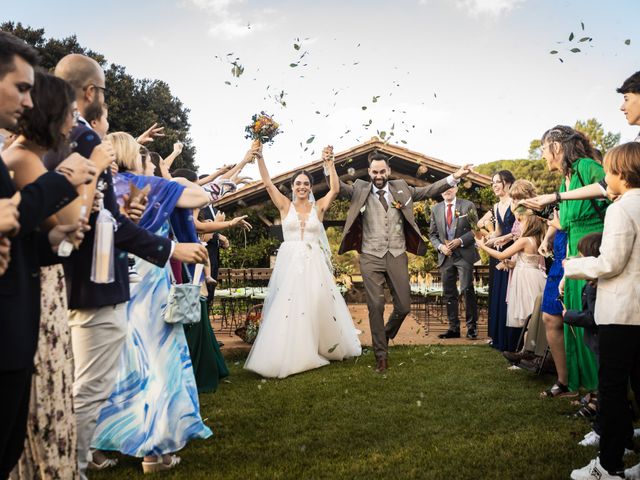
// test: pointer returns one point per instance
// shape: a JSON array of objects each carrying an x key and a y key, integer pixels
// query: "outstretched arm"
[
  {"x": 279, "y": 200},
  {"x": 517, "y": 246}
]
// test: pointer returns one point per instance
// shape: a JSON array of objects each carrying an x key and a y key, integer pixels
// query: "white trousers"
[{"x": 97, "y": 337}]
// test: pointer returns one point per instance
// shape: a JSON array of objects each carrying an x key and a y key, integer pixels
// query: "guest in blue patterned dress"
[
  {"x": 502, "y": 338},
  {"x": 552, "y": 308},
  {"x": 154, "y": 408}
]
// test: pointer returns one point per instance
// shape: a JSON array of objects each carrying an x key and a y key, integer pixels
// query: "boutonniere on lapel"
[
  {"x": 457, "y": 214},
  {"x": 396, "y": 204}
]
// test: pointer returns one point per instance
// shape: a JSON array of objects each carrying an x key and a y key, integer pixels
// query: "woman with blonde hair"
[{"x": 154, "y": 409}]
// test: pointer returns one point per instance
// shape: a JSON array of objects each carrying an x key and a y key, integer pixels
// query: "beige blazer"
[
  {"x": 618, "y": 266},
  {"x": 403, "y": 195}
]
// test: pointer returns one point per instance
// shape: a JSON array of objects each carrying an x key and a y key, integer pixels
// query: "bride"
[{"x": 305, "y": 320}]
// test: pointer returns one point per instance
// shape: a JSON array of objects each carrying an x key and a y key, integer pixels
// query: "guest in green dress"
[
  {"x": 209, "y": 366},
  {"x": 571, "y": 153}
]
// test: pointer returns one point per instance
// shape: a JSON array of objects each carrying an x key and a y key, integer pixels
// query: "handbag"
[{"x": 183, "y": 302}]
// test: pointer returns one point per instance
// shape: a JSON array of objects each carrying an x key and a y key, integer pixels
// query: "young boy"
[{"x": 617, "y": 310}]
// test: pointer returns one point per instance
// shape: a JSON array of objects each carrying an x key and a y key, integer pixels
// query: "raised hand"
[
  {"x": 190, "y": 253},
  {"x": 242, "y": 222},
  {"x": 539, "y": 202},
  {"x": 77, "y": 169},
  {"x": 103, "y": 155},
  {"x": 178, "y": 147},
  {"x": 137, "y": 207},
  {"x": 150, "y": 134},
  {"x": 9, "y": 215},
  {"x": 220, "y": 216},
  {"x": 463, "y": 171},
  {"x": 73, "y": 233}
]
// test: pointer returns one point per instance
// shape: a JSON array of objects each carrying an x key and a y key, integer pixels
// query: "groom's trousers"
[{"x": 395, "y": 271}]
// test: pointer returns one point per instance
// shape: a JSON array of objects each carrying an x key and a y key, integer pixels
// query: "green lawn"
[{"x": 439, "y": 413}]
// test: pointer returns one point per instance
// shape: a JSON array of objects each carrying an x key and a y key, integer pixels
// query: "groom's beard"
[{"x": 380, "y": 182}]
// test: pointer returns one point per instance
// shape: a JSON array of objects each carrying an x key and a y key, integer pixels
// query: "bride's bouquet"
[{"x": 262, "y": 128}]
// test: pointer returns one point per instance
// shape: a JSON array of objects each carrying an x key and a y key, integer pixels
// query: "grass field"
[{"x": 439, "y": 413}]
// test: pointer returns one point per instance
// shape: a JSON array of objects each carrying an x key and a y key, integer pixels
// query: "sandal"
[
  {"x": 558, "y": 390},
  {"x": 106, "y": 463},
  {"x": 160, "y": 465},
  {"x": 590, "y": 410}
]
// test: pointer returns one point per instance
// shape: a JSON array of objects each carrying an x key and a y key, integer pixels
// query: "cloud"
[
  {"x": 224, "y": 21},
  {"x": 149, "y": 42},
  {"x": 492, "y": 8}
]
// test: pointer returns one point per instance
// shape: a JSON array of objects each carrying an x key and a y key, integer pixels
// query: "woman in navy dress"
[{"x": 502, "y": 338}]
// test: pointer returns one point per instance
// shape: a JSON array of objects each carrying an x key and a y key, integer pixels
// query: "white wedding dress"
[{"x": 305, "y": 321}]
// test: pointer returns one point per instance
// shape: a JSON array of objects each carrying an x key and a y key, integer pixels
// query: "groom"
[{"x": 380, "y": 225}]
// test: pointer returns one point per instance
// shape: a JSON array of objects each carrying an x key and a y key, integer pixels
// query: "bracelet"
[{"x": 558, "y": 197}]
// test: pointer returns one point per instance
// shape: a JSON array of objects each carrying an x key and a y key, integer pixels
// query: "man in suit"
[
  {"x": 28, "y": 250},
  {"x": 451, "y": 235},
  {"x": 97, "y": 315},
  {"x": 380, "y": 225}
]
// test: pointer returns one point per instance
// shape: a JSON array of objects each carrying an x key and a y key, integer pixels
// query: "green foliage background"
[{"x": 134, "y": 104}]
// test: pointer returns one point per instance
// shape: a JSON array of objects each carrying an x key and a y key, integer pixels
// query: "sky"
[{"x": 465, "y": 81}]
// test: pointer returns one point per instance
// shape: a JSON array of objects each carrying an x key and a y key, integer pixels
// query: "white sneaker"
[
  {"x": 591, "y": 439},
  {"x": 593, "y": 471},
  {"x": 632, "y": 473}
]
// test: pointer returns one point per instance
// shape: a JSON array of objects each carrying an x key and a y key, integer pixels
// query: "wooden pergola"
[{"x": 416, "y": 168}]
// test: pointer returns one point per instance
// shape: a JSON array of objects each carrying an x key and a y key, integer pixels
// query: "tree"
[
  {"x": 134, "y": 104},
  {"x": 594, "y": 131},
  {"x": 533, "y": 170}
]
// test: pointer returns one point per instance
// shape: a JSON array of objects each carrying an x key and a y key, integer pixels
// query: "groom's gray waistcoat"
[{"x": 382, "y": 231}]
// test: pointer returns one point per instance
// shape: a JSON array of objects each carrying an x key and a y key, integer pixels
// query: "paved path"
[{"x": 413, "y": 331}]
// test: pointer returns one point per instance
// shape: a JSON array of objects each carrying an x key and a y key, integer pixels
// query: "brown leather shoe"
[{"x": 381, "y": 365}]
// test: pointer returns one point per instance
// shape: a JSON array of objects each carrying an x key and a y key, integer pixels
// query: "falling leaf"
[
  {"x": 364, "y": 107},
  {"x": 561, "y": 61},
  {"x": 375, "y": 99},
  {"x": 227, "y": 82},
  {"x": 575, "y": 50},
  {"x": 571, "y": 36},
  {"x": 296, "y": 46},
  {"x": 403, "y": 141},
  {"x": 332, "y": 349},
  {"x": 311, "y": 139},
  {"x": 584, "y": 39},
  {"x": 553, "y": 52},
  {"x": 582, "y": 25},
  {"x": 627, "y": 41},
  {"x": 293, "y": 65},
  {"x": 434, "y": 95}
]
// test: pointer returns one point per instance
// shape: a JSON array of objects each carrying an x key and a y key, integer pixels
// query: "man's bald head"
[
  {"x": 86, "y": 77},
  {"x": 80, "y": 71}
]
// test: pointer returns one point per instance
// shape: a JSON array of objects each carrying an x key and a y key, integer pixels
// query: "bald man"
[{"x": 97, "y": 315}]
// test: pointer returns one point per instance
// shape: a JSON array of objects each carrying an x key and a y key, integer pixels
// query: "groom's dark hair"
[{"x": 377, "y": 156}]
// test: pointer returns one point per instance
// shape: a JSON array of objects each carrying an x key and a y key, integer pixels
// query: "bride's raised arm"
[
  {"x": 279, "y": 200},
  {"x": 334, "y": 182}
]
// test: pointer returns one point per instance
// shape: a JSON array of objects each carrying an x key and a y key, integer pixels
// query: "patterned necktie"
[
  {"x": 449, "y": 214},
  {"x": 383, "y": 200}
]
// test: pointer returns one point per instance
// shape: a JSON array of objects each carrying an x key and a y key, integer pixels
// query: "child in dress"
[
  {"x": 617, "y": 312},
  {"x": 528, "y": 278}
]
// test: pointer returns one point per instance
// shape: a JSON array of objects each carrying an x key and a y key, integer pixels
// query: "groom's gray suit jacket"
[{"x": 385, "y": 226}]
